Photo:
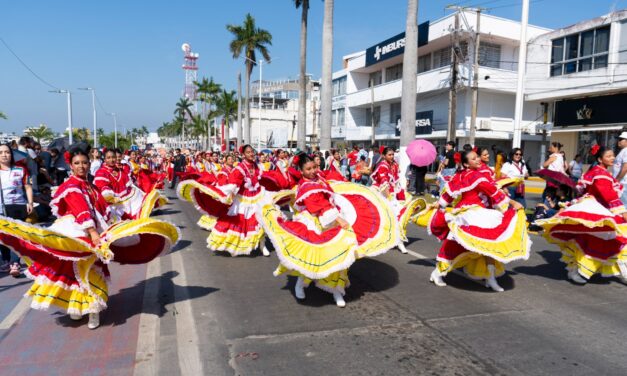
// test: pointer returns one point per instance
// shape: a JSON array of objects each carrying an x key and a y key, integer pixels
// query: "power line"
[
  {"x": 27, "y": 67},
  {"x": 100, "y": 103},
  {"x": 514, "y": 4}
]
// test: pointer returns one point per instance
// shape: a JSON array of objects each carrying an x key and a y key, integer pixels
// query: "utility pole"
[
  {"x": 452, "y": 97},
  {"x": 372, "y": 123},
  {"x": 475, "y": 81},
  {"x": 239, "y": 110},
  {"x": 520, "y": 87}
]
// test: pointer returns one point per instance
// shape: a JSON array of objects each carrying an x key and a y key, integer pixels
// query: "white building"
[
  {"x": 274, "y": 122},
  {"x": 382, "y": 64},
  {"x": 580, "y": 72}
]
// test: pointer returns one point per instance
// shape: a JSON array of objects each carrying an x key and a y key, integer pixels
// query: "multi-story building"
[
  {"x": 580, "y": 74},
  {"x": 373, "y": 78},
  {"x": 274, "y": 122}
]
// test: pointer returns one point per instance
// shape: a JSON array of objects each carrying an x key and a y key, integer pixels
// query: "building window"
[
  {"x": 337, "y": 120},
  {"x": 580, "y": 52},
  {"x": 339, "y": 86},
  {"x": 377, "y": 117},
  {"x": 490, "y": 55},
  {"x": 424, "y": 63},
  {"x": 395, "y": 72},
  {"x": 395, "y": 112},
  {"x": 442, "y": 58},
  {"x": 375, "y": 77}
]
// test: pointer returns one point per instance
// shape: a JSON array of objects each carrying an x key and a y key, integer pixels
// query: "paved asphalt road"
[{"x": 194, "y": 312}]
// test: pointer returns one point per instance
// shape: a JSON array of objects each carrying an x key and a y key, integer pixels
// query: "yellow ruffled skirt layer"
[
  {"x": 334, "y": 282},
  {"x": 206, "y": 222},
  {"x": 473, "y": 264},
  {"x": 588, "y": 266}
]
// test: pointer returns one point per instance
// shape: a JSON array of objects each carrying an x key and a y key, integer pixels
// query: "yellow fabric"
[
  {"x": 512, "y": 248},
  {"x": 474, "y": 265},
  {"x": 139, "y": 226},
  {"x": 334, "y": 282},
  {"x": 413, "y": 205},
  {"x": 150, "y": 201},
  {"x": 574, "y": 257},
  {"x": 233, "y": 243},
  {"x": 389, "y": 232},
  {"x": 507, "y": 182},
  {"x": 207, "y": 222},
  {"x": 315, "y": 261},
  {"x": 186, "y": 189},
  {"x": 284, "y": 195}
]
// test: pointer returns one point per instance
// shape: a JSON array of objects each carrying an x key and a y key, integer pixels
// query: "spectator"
[
  {"x": 16, "y": 201},
  {"x": 59, "y": 167},
  {"x": 180, "y": 164},
  {"x": 467, "y": 147},
  {"x": 551, "y": 205},
  {"x": 576, "y": 168},
  {"x": 555, "y": 162},
  {"x": 43, "y": 198},
  {"x": 516, "y": 167},
  {"x": 416, "y": 179},
  {"x": 447, "y": 166},
  {"x": 95, "y": 159},
  {"x": 620, "y": 165},
  {"x": 25, "y": 146}
]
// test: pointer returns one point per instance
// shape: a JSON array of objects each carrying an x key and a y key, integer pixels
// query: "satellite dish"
[{"x": 186, "y": 47}]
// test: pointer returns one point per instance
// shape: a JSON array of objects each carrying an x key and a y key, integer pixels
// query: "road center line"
[
  {"x": 16, "y": 313},
  {"x": 147, "y": 354}
]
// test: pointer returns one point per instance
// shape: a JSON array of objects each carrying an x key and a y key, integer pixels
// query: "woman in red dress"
[
  {"x": 591, "y": 232},
  {"x": 335, "y": 224},
  {"x": 487, "y": 171},
  {"x": 483, "y": 231},
  {"x": 67, "y": 260}
]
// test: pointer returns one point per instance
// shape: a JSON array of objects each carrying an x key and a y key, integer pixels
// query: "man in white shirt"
[{"x": 620, "y": 165}]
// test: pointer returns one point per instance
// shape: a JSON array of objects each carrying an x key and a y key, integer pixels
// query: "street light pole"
[
  {"x": 260, "y": 86},
  {"x": 520, "y": 86},
  {"x": 93, "y": 104},
  {"x": 115, "y": 127},
  {"x": 69, "y": 112}
]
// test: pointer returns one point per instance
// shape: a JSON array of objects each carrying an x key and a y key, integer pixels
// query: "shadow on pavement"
[
  {"x": 365, "y": 275},
  {"x": 464, "y": 283},
  {"x": 167, "y": 212},
  {"x": 552, "y": 269},
  {"x": 182, "y": 244},
  {"x": 128, "y": 302}
]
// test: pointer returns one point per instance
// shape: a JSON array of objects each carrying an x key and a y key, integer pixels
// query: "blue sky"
[{"x": 130, "y": 50}]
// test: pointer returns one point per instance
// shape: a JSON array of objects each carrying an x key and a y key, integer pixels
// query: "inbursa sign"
[{"x": 395, "y": 46}]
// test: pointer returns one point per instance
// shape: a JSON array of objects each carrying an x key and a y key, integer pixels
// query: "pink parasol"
[
  {"x": 555, "y": 177},
  {"x": 421, "y": 153}
]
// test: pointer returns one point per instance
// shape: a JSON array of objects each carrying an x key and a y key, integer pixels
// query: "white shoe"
[
  {"x": 623, "y": 271},
  {"x": 574, "y": 276},
  {"x": 265, "y": 251},
  {"x": 491, "y": 281},
  {"x": 339, "y": 300},
  {"x": 94, "y": 320},
  {"x": 76, "y": 317},
  {"x": 437, "y": 278},
  {"x": 299, "y": 288},
  {"x": 401, "y": 247}
]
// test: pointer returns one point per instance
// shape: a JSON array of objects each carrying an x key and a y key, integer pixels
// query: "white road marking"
[
  {"x": 147, "y": 353},
  {"x": 186, "y": 334},
  {"x": 16, "y": 313}
]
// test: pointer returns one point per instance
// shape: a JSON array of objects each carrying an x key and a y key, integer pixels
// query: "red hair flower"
[
  {"x": 475, "y": 149},
  {"x": 295, "y": 160},
  {"x": 457, "y": 157},
  {"x": 595, "y": 149},
  {"x": 67, "y": 156},
  {"x": 241, "y": 149},
  {"x": 381, "y": 148}
]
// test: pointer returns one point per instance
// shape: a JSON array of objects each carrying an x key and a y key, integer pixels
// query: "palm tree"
[
  {"x": 183, "y": 112},
  {"x": 249, "y": 39},
  {"x": 302, "y": 82},
  {"x": 81, "y": 134},
  {"x": 3, "y": 115},
  {"x": 208, "y": 90},
  {"x": 326, "y": 95},
  {"x": 410, "y": 71},
  {"x": 40, "y": 133},
  {"x": 226, "y": 106}
]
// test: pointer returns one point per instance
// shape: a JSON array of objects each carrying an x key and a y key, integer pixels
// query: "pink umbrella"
[{"x": 421, "y": 153}]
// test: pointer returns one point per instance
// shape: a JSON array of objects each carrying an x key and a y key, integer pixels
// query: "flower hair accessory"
[
  {"x": 475, "y": 149},
  {"x": 296, "y": 159},
  {"x": 457, "y": 157},
  {"x": 241, "y": 149},
  {"x": 595, "y": 149},
  {"x": 68, "y": 157},
  {"x": 381, "y": 149}
]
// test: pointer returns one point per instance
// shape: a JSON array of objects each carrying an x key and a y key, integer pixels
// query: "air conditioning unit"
[{"x": 485, "y": 125}]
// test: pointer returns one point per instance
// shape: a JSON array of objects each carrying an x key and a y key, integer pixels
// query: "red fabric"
[
  {"x": 387, "y": 173},
  {"x": 79, "y": 198},
  {"x": 113, "y": 179},
  {"x": 332, "y": 175},
  {"x": 485, "y": 193},
  {"x": 352, "y": 157},
  {"x": 599, "y": 183},
  {"x": 450, "y": 250},
  {"x": 222, "y": 177},
  {"x": 486, "y": 171}
]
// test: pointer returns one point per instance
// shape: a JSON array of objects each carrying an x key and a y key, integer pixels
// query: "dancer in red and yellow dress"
[
  {"x": 126, "y": 199},
  {"x": 67, "y": 260},
  {"x": 148, "y": 179},
  {"x": 233, "y": 206},
  {"x": 278, "y": 179},
  {"x": 333, "y": 170},
  {"x": 334, "y": 224},
  {"x": 592, "y": 231},
  {"x": 386, "y": 181},
  {"x": 483, "y": 231}
]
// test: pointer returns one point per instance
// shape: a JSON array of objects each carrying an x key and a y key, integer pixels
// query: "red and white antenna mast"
[{"x": 191, "y": 74}]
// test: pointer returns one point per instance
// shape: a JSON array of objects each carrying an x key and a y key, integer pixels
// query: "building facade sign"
[
  {"x": 607, "y": 109},
  {"x": 424, "y": 123},
  {"x": 395, "y": 46}
]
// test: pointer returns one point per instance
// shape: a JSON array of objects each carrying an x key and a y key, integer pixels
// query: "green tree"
[
  {"x": 40, "y": 133},
  {"x": 3, "y": 115},
  {"x": 81, "y": 134},
  {"x": 208, "y": 91},
  {"x": 302, "y": 81},
  {"x": 226, "y": 106},
  {"x": 249, "y": 39}
]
